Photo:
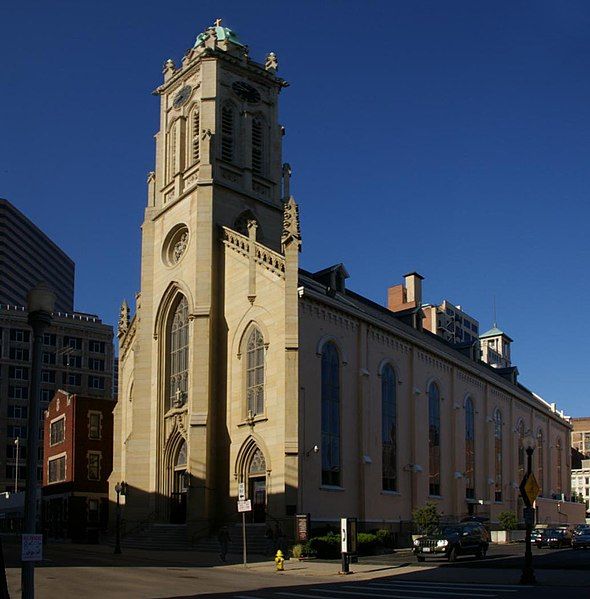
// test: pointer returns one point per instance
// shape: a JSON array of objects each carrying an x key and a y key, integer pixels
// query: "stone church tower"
[{"x": 208, "y": 363}]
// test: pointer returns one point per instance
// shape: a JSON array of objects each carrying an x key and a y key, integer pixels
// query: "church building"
[{"x": 240, "y": 370}]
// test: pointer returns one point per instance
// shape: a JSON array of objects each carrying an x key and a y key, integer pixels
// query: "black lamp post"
[
  {"x": 120, "y": 489},
  {"x": 528, "y": 574},
  {"x": 41, "y": 301}
]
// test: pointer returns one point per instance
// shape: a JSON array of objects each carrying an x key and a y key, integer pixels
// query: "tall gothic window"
[
  {"x": 255, "y": 373},
  {"x": 195, "y": 141},
  {"x": 178, "y": 355},
  {"x": 540, "y": 459},
  {"x": 388, "y": 428},
  {"x": 434, "y": 439},
  {"x": 469, "y": 449},
  {"x": 558, "y": 486},
  {"x": 521, "y": 450},
  {"x": 227, "y": 133},
  {"x": 257, "y": 146},
  {"x": 498, "y": 455},
  {"x": 330, "y": 415}
]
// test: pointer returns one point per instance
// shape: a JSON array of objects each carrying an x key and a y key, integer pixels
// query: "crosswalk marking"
[
  {"x": 441, "y": 586},
  {"x": 372, "y": 593},
  {"x": 504, "y": 587}
]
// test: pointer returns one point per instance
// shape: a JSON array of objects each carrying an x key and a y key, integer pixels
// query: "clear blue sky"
[{"x": 451, "y": 138}]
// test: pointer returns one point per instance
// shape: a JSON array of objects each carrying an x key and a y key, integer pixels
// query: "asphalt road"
[{"x": 499, "y": 556}]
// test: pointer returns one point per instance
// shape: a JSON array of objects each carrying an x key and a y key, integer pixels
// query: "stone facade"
[{"x": 220, "y": 373}]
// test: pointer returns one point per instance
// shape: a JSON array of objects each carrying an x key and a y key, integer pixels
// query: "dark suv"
[{"x": 451, "y": 540}]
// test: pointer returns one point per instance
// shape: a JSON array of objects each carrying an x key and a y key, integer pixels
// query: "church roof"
[
  {"x": 221, "y": 33},
  {"x": 494, "y": 332}
]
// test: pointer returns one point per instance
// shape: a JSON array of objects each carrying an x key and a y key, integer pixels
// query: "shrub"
[
  {"x": 426, "y": 518},
  {"x": 508, "y": 520},
  {"x": 367, "y": 543},
  {"x": 385, "y": 537},
  {"x": 326, "y": 547},
  {"x": 297, "y": 551}
]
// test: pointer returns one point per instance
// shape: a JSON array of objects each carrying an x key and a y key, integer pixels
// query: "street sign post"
[
  {"x": 529, "y": 491},
  {"x": 241, "y": 491},
  {"x": 244, "y": 505}
]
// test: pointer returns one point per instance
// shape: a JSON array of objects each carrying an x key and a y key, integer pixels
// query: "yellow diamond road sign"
[{"x": 531, "y": 488}]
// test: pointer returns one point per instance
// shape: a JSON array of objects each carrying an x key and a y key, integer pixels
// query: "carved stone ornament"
[
  {"x": 180, "y": 247},
  {"x": 124, "y": 318},
  {"x": 291, "y": 230},
  {"x": 271, "y": 63}
]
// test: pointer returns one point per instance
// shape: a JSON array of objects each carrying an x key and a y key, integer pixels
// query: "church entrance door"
[
  {"x": 179, "y": 488},
  {"x": 257, "y": 493}
]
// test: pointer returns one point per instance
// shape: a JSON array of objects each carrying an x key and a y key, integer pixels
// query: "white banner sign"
[
  {"x": 32, "y": 548},
  {"x": 245, "y": 506}
]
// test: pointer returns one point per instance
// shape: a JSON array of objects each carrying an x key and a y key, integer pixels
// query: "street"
[{"x": 90, "y": 571}]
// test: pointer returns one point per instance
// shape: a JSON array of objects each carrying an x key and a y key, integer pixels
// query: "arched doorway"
[
  {"x": 257, "y": 486},
  {"x": 179, "y": 486}
]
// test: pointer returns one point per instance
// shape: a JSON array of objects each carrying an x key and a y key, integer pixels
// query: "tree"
[
  {"x": 426, "y": 518},
  {"x": 508, "y": 520}
]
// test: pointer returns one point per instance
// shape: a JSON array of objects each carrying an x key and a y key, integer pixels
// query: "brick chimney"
[{"x": 406, "y": 296}]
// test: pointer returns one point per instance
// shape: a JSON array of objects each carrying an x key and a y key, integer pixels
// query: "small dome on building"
[{"x": 223, "y": 34}]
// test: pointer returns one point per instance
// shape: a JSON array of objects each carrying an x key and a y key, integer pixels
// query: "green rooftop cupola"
[{"x": 221, "y": 34}]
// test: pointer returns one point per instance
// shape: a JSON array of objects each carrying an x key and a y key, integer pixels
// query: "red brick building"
[{"x": 78, "y": 459}]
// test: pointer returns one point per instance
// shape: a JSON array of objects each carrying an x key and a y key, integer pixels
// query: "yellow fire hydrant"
[{"x": 280, "y": 561}]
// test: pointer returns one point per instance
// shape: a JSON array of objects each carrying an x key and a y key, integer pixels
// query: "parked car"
[
  {"x": 555, "y": 538},
  {"x": 581, "y": 538},
  {"x": 581, "y": 528},
  {"x": 536, "y": 534},
  {"x": 452, "y": 540}
]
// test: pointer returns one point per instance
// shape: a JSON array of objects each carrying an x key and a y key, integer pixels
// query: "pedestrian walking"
[{"x": 224, "y": 539}]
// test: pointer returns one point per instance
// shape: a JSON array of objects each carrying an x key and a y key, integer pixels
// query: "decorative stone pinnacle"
[
  {"x": 291, "y": 229},
  {"x": 124, "y": 318}
]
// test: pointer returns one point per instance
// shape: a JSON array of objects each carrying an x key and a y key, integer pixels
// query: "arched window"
[
  {"x": 257, "y": 146},
  {"x": 181, "y": 458},
  {"x": 330, "y": 415},
  {"x": 227, "y": 133},
  {"x": 255, "y": 373},
  {"x": 388, "y": 428},
  {"x": 257, "y": 464},
  {"x": 469, "y": 449},
  {"x": 178, "y": 355},
  {"x": 498, "y": 455},
  {"x": 521, "y": 450},
  {"x": 434, "y": 439},
  {"x": 195, "y": 141},
  {"x": 558, "y": 486},
  {"x": 540, "y": 459}
]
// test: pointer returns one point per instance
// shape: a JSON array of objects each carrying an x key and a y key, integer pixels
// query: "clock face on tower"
[
  {"x": 182, "y": 96},
  {"x": 246, "y": 92}
]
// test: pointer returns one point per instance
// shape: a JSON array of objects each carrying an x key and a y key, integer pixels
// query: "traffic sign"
[
  {"x": 241, "y": 491},
  {"x": 245, "y": 505},
  {"x": 32, "y": 548},
  {"x": 529, "y": 489}
]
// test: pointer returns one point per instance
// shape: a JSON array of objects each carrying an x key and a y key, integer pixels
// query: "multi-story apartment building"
[
  {"x": 581, "y": 435},
  {"x": 27, "y": 257},
  {"x": 581, "y": 482},
  {"x": 77, "y": 356},
  {"x": 78, "y": 448}
]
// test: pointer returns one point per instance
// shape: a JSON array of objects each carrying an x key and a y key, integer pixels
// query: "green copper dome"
[{"x": 221, "y": 33}]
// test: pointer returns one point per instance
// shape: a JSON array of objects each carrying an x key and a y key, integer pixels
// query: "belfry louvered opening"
[
  {"x": 257, "y": 147},
  {"x": 195, "y": 147},
  {"x": 227, "y": 133}
]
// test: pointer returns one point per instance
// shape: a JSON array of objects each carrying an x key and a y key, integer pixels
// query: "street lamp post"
[
  {"x": 40, "y": 303},
  {"x": 120, "y": 489},
  {"x": 16, "y": 442},
  {"x": 528, "y": 574}
]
